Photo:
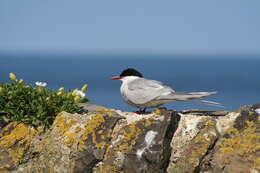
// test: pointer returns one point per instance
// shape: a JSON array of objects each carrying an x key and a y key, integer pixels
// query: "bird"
[{"x": 143, "y": 93}]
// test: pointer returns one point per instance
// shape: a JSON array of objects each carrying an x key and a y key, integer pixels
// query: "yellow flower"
[
  {"x": 12, "y": 77},
  {"x": 77, "y": 99},
  {"x": 84, "y": 88},
  {"x": 20, "y": 81},
  {"x": 40, "y": 89},
  {"x": 61, "y": 89},
  {"x": 1, "y": 89},
  {"x": 74, "y": 92},
  {"x": 59, "y": 93}
]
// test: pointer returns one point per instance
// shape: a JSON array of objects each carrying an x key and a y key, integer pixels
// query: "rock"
[
  {"x": 75, "y": 143},
  {"x": 89, "y": 107},
  {"x": 210, "y": 144},
  {"x": 141, "y": 145},
  {"x": 15, "y": 140},
  {"x": 238, "y": 150},
  {"x": 102, "y": 140}
]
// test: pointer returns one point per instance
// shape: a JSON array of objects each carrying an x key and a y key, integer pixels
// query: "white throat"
[{"x": 128, "y": 79}]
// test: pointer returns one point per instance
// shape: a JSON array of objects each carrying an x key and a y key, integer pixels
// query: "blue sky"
[{"x": 133, "y": 26}]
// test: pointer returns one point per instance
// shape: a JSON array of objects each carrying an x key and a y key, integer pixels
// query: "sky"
[{"x": 131, "y": 26}]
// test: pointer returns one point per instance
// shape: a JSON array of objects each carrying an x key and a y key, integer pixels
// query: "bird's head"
[{"x": 127, "y": 74}]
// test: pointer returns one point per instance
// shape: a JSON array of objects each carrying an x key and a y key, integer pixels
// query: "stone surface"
[
  {"x": 15, "y": 140},
  {"x": 141, "y": 145},
  {"x": 213, "y": 144},
  {"x": 238, "y": 149},
  {"x": 75, "y": 143},
  {"x": 102, "y": 140}
]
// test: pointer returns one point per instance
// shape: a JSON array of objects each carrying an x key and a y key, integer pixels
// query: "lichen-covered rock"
[
  {"x": 15, "y": 140},
  {"x": 238, "y": 150},
  {"x": 75, "y": 143},
  {"x": 141, "y": 144},
  {"x": 212, "y": 144},
  {"x": 191, "y": 141},
  {"x": 101, "y": 140}
]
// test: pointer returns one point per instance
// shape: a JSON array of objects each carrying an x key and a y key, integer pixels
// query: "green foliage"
[{"x": 35, "y": 106}]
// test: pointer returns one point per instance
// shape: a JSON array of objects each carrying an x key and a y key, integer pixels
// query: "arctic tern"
[{"x": 144, "y": 93}]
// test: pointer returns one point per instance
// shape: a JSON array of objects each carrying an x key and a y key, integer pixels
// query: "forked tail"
[
  {"x": 192, "y": 96},
  {"x": 186, "y": 96}
]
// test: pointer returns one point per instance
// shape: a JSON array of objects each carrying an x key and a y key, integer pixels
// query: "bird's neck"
[{"x": 128, "y": 79}]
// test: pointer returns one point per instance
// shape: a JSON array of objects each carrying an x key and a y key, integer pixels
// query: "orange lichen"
[
  {"x": 63, "y": 125},
  {"x": 16, "y": 142},
  {"x": 70, "y": 139},
  {"x": 21, "y": 133},
  {"x": 91, "y": 125},
  {"x": 158, "y": 112},
  {"x": 77, "y": 135}
]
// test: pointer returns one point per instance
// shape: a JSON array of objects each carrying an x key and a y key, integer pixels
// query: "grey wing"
[{"x": 141, "y": 91}]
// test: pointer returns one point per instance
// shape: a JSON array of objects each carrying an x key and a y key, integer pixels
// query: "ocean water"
[{"x": 236, "y": 78}]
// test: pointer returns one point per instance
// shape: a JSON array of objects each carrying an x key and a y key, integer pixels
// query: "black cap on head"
[{"x": 130, "y": 72}]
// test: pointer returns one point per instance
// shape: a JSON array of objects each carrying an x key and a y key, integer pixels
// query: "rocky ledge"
[{"x": 102, "y": 140}]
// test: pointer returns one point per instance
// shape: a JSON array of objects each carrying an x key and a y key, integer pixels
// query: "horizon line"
[{"x": 120, "y": 53}]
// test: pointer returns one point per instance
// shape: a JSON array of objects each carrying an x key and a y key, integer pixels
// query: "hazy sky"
[{"x": 157, "y": 26}]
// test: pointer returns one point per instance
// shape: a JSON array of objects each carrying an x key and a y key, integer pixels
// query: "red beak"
[{"x": 116, "y": 78}]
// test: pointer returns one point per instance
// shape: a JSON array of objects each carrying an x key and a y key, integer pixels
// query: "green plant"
[{"x": 36, "y": 106}]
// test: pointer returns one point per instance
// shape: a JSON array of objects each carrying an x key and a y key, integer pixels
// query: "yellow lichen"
[
  {"x": 105, "y": 111},
  {"x": 21, "y": 132},
  {"x": 210, "y": 123},
  {"x": 91, "y": 125},
  {"x": 63, "y": 125},
  {"x": 199, "y": 139},
  {"x": 244, "y": 143},
  {"x": 100, "y": 132},
  {"x": 257, "y": 164},
  {"x": 17, "y": 141},
  {"x": 70, "y": 139},
  {"x": 81, "y": 134},
  {"x": 147, "y": 122},
  {"x": 82, "y": 147},
  {"x": 130, "y": 135},
  {"x": 251, "y": 113},
  {"x": 158, "y": 112}
]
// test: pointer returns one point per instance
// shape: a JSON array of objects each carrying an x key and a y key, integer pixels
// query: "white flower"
[
  {"x": 79, "y": 93},
  {"x": 40, "y": 84},
  {"x": 258, "y": 111}
]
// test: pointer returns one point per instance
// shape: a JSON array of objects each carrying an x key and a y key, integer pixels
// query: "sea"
[{"x": 236, "y": 78}]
